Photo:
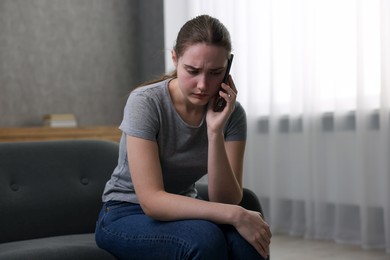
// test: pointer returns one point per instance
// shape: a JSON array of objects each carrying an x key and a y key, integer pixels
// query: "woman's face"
[{"x": 200, "y": 71}]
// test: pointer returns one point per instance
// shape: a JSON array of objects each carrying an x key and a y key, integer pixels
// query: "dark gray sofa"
[{"x": 50, "y": 197}]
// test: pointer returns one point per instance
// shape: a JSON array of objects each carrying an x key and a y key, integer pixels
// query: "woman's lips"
[{"x": 200, "y": 96}]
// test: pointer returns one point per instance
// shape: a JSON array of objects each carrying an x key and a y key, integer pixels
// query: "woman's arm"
[
  {"x": 225, "y": 158},
  {"x": 155, "y": 201},
  {"x": 147, "y": 178},
  {"x": 225, "y": 169}
]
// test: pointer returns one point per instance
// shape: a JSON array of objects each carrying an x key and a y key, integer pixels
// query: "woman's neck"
[{"x": 190, "y": 113}]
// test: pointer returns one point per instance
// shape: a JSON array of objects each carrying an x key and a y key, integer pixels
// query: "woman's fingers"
[
  {"x": 232, "y": 85},
  {"x": 264, "y": 236},
  {"x": 261, "y": 247}
]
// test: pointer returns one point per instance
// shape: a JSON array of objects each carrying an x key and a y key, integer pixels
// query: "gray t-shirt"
[{"x": 150, "y": 114}]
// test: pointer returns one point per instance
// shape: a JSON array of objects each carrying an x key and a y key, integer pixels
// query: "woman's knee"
[
  {"x": 187, "y": 239},
  {"x": 207, "y": 241}
]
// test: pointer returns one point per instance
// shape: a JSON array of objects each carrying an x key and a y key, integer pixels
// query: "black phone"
[{"x": 220, "y": 103}]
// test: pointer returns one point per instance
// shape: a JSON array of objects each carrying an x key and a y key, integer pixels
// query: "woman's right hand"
[{"x": 255, "y": 230}]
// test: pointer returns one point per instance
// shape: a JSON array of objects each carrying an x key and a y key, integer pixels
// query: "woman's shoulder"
[
  {"x": 146, "y": 95},
  {"x": 150, "y": 89},
  {"x": 239, "y": 109}
]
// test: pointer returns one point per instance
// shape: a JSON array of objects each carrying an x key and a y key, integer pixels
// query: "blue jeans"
[{"x": 126, "y": 232}]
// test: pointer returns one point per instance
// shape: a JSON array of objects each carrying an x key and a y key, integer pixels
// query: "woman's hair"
[{"x": 201, "y": 29}]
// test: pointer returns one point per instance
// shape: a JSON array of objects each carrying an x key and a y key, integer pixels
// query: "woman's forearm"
[
  {"x": 169, "y": 207},
  {"x": 224, "y": 180}
]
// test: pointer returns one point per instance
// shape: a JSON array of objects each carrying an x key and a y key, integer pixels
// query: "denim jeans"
[{"x": 126, "y": 232}]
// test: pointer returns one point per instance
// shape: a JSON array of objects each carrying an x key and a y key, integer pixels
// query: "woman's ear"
[{"x": 174, "y": 58}]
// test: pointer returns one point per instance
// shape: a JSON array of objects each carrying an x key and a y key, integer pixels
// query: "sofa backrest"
[{"x": 52, "y": 188}]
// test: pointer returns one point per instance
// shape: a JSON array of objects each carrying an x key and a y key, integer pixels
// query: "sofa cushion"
[
  {"x": 60, "y": 247},
  {"x": 52, "y": 188}
]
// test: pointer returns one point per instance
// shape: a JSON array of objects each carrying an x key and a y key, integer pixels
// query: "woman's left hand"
[{"x": 216, "y": 120}]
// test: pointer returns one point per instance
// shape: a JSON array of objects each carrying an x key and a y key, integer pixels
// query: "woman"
[{"x": 171, "y": 138}]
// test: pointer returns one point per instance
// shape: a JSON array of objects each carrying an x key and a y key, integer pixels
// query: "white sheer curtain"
[{"x": 314, "y": 77}]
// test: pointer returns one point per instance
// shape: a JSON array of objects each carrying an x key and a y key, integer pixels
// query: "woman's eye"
[
  {"x": 216, "y": 73},
  {"x": 193, "y": 72}
]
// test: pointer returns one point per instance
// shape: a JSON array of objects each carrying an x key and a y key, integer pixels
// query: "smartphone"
[{"x": 220, "y": 103}]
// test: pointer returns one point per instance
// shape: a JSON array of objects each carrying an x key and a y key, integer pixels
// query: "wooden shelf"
[{"x": 15, "y": 134}]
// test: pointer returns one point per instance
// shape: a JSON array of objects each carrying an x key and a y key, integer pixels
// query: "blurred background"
[
  {"x": 313, "y": 76},
  {"x": 77, "y": 57},
  {"x": 314, "y": 79}
]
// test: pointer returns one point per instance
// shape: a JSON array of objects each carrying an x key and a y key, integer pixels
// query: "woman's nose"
[{"x": 202, "y": 83}]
